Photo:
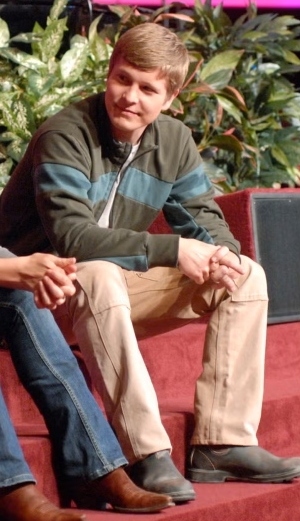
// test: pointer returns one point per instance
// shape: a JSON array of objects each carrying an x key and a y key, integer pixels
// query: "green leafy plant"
[
  {"x": 241, "y": 105},
  {"x": 239, "y": 99},
  {"x": 38, "y": 83}
]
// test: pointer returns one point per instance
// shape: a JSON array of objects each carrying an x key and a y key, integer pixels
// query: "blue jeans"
[{"x": 83, "y": 441}]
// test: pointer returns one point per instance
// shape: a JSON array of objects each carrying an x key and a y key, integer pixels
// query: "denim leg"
[
  {"x": 84, "y": 442},
  {"x": 13, "y": 467}
]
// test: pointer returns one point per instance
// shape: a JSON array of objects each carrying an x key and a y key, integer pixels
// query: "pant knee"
[
  {"x": 103, "y": 284},
  {"x": 254, "y": 280}
]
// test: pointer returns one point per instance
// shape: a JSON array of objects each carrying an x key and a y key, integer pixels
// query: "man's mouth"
[{"x": 126, "y": 110}]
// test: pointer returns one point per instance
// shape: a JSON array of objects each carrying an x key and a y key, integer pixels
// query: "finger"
[
  {"x": 232, "y": 261},
  {"x": 205, "y": 274},
  {"x": 53, "y": 291},
  {"x": 231, "y": 285},
  {"x": 59, "y": 285},
  {"x": 72, "y": 276},
  {"x": 217, "y": 275},
  {"x": 219, "y": 254},
  {"x": 228, "y": 283},
  {"x": 41, "y": 305},
  {"x": 69, "y": 290},
  {"x": 233, "y": 274},
  {"x": 58, "y": 277},
  {"x": 41, "y": 297},
  {"x": 72, "y": 268},
  {"x": 213, "y": 266},
  {"x": 66, "y": 263}
]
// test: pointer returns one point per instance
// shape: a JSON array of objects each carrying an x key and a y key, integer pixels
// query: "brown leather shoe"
[
  {"x": 117, "y": 489},
  {"x": 26, "y": 503}
]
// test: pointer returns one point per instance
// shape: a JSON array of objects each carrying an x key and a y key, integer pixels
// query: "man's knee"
[
  {"x": 102, "y": 283},
  {"x": 254, "y": 280}
]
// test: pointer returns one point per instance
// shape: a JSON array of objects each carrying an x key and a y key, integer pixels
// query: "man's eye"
[{"x": 123, "y": 79}]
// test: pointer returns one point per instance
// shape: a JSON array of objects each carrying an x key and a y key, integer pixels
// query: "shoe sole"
[
  {"x": 144, "y": 510},
  {"x": 219, "y": 476},
  {"x": 182, "y": 498}
]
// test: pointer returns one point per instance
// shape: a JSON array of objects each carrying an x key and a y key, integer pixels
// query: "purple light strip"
[{"x": 241, "y": 4}]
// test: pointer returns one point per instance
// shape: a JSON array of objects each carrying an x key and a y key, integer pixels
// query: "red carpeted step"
[
  {"x": 174, "y": 361},
  {"x": 214, "y": 502},
  {"x": 225, "y": 502}
]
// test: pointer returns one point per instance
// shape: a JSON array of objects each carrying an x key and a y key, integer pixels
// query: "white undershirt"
[{"x": 104, "y": 219}]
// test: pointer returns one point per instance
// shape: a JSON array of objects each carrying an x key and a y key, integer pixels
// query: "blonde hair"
[{"x": 149, "y": 46}]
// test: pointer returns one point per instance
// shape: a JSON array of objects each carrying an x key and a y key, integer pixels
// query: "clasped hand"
[
  {"x": 50, "y": 278},
  {"x": 202, "y": 262}
]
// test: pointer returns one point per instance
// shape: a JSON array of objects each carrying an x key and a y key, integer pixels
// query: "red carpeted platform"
[{"x": 174, "y": 361}]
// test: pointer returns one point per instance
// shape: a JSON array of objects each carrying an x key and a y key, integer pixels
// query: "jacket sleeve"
[
  {"x": 191, "y": 210},
  {"x": 5, "y": 254}
]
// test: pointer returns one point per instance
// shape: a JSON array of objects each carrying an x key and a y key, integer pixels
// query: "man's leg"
[
  {"x": 100, "y": 313},
  {"x": 230, "y": 388},
  {"x": 19, "y": 497},
  {"x": 229, "y": 392},
  {"x": 13, "y": 467},
  {"x": 90, "y": 457}
]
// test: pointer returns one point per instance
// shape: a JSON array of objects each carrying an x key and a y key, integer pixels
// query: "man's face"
[{"x": 133, "y": 99}]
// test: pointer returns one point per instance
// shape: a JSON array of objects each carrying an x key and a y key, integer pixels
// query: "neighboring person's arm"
[{"x": 50, "y": 278}]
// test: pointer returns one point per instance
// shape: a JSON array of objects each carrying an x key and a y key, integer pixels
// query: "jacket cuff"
[{"x": 162, "y": 250}]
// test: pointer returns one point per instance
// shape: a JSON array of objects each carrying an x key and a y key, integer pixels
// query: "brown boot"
[
  {"x": 26, "y": 503},
  {"x": 117, "y": 489}
]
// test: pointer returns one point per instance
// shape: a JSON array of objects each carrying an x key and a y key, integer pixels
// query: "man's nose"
[{"x": 131, "y": 94}]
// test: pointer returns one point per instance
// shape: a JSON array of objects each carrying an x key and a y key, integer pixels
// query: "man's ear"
[{"x": 167, "y": 104}]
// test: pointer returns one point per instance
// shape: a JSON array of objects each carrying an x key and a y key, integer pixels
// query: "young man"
[
  {"x": 90, "y": 458},
  {"x": 93, "y": 179}
]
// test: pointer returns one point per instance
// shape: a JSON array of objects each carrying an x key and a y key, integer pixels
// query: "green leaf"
[
  {"x": 39, "y": 85},
  {"x": 52, "y": 39},
  {"x": 268, "y": 68},
  {"x": 100, "y": 48},
  {"x": 56, "y": 10},
  {"x": 4, "y": 33},
  {"x": 23, "y": 38},
  {"x": 22, "y": 58},
  {"x": 279, "y": 155},
  {"x": 223, "y": 64},
  {"x": 291, "y": 57},
  {"x": 18, "y": 118},
  {"x": 16, "y": 149},
  {"x": 74, "y": 60},
  {"x": 5, "y": 169},
  {"x": 229, "y": 142},
  {"x": 254, "y": 35},
  {"x": 176, "y": 107},
  {"x": 230, "y": 108}
]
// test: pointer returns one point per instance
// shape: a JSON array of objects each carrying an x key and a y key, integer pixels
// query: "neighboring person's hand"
[
  {"x": 57, "y": 283},
  {"x": 50, "y": 278},
  {"x": 53, "y": 289}
]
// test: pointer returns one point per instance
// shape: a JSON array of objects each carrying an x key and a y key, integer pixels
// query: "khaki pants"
[{"x": 229, "y": 391}]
